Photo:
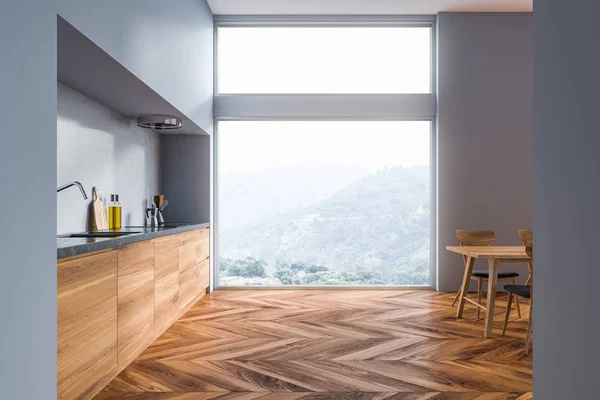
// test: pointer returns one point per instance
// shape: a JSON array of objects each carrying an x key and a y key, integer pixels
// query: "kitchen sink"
[
  {"x": 98, "y": 234},
  {"x": 167, "y": 225}
]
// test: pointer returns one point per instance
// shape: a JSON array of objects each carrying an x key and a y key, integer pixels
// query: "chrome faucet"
[{"x": 68, "y": 185}]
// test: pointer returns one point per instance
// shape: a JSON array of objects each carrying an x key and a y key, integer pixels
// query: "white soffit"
[{"x": 363, "y": 7}]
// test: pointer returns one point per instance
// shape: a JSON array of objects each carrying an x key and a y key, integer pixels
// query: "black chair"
[
  {"x": 482, "y": 238},
  {"x": 525, "y": 291}
]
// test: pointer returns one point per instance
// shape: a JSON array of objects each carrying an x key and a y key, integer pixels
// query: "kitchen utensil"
[
  {"x": 162, "y": 199},
  {"x": 164, "y": 205},
  {"x": 160, "y": 218},
  {"x": 156, "y": 199},
  {"x": 100, "y": 221},
  {"x": 151, "y": 214}
]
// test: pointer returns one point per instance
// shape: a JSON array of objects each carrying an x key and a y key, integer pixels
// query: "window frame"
[
  {"x": 333, "y": 107},
  {"x": 326, "y": 22}
]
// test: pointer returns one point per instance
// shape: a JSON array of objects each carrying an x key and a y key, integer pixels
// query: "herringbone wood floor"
[{"x": 330, "y": 344}]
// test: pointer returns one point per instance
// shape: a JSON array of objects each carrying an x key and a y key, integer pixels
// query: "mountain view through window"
[{"x": 324, "y": 203}]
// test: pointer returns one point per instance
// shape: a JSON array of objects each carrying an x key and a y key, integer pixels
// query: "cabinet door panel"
[
  {"x": 166, "y": 275},
  {"x": 204, "y": 276},
  {"x": 188, "y": 287},
  {"x": 135, "y": 300},
  {"x": 202, "y": 247},
  {"x": 187, "y": 255},
  {"x": 192, "y": 285},
  {"x": 87, "y": 324}
]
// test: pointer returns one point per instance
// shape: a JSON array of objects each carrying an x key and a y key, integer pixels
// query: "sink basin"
[
  {"x": 167, "y": 225},
  {"x": 98, "y": 234}
]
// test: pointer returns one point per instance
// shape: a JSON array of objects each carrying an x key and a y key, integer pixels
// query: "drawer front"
[
  {"x": 204, "y": 276},
  {"x": 187, "y": 256},
  {"x": 203, "y": 245},
  {"x": 192, "y": 285},
  {"x": 188, "y": 288},
  {"x": 188, "y": 237},
  {"x": 166, "y": 252}
]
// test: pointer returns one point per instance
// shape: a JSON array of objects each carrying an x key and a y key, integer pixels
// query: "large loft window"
[
  {"x": 321, "y": 203},
  {"x": 324, "y": 60},
  {"x": 324, "y": 151}
]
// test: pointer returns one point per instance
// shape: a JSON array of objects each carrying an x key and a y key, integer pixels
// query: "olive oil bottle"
[{"x": 114, "y": 212}]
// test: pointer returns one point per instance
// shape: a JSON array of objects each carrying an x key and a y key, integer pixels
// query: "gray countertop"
[{"x": 68, "y": 247}]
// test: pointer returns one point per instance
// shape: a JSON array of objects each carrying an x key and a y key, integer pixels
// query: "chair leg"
[
  {"x": 456, "y": 297},
  {"x": 517, "y": 300},
  {"x": 508, "y": 307},
  {"x": 528, "y": 282},
  {"x": 529, "y": 329},
  {"x": 479, "y": 291}
]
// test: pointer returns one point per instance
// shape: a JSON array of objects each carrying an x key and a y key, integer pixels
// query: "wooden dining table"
[{"x": 495, "y": 255}]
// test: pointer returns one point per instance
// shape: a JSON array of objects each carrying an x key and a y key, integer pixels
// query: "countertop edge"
[{"x": 114, "y": 243}]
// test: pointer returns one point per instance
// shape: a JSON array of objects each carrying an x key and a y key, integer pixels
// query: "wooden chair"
[
  {"x": 482, "y": 238},
  {"x": 526, "y": 236},
  {"x": 525, "y": 291}
]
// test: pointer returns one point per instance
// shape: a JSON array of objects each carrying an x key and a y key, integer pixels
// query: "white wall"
[
  {"x": 566, "y": 199},
  {"x": 27, "y": 178},
  {"x": 168, "y": 45},
  {"x": 100, "y": 147},
  {"x": 484, "y": 132}
]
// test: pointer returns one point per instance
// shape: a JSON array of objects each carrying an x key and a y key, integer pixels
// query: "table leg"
[
  {"x": 491, "y": 296},
  {"x": 465, "y": 286}
]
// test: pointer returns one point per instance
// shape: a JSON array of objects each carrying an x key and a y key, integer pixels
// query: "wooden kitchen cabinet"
[
  {"x": 87, "y": 324},
  {"x": 193, "y": 268},
  {"x": 135, "y": 300},
  {"x": 114, "y": 303},
  {"x": 166, "y": 283}
]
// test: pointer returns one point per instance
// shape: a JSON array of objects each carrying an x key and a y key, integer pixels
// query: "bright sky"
[
  {"x": 254, "y": 145},
  {"x": 324, "y": 60}
]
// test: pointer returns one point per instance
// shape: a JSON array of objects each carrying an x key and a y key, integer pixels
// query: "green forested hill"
[{"x": 374, "y": 231}]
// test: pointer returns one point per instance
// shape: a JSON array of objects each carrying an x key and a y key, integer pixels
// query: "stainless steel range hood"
[{"x": 159, "y": 122}]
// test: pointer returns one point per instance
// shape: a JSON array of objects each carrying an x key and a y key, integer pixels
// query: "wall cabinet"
[{"x": 113, "y": 304}]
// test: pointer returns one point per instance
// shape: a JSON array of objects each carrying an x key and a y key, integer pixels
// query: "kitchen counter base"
[{"x": 113, "y": 303}]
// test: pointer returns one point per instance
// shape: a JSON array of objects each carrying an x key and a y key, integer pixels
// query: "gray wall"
[
  {"x": 484, "y": 132},
  {"x": 185, "y": 177},
  {"x": 168, "y": 46},
  {"x": 100, "y": 147},
  {"x": 566, "y": 199},
  {"x": 28, "y": 176}
]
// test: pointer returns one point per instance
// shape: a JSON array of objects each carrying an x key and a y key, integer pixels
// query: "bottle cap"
[
  {"x": 112, "y": 197},
  {"x": 117, "y": 198}
]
